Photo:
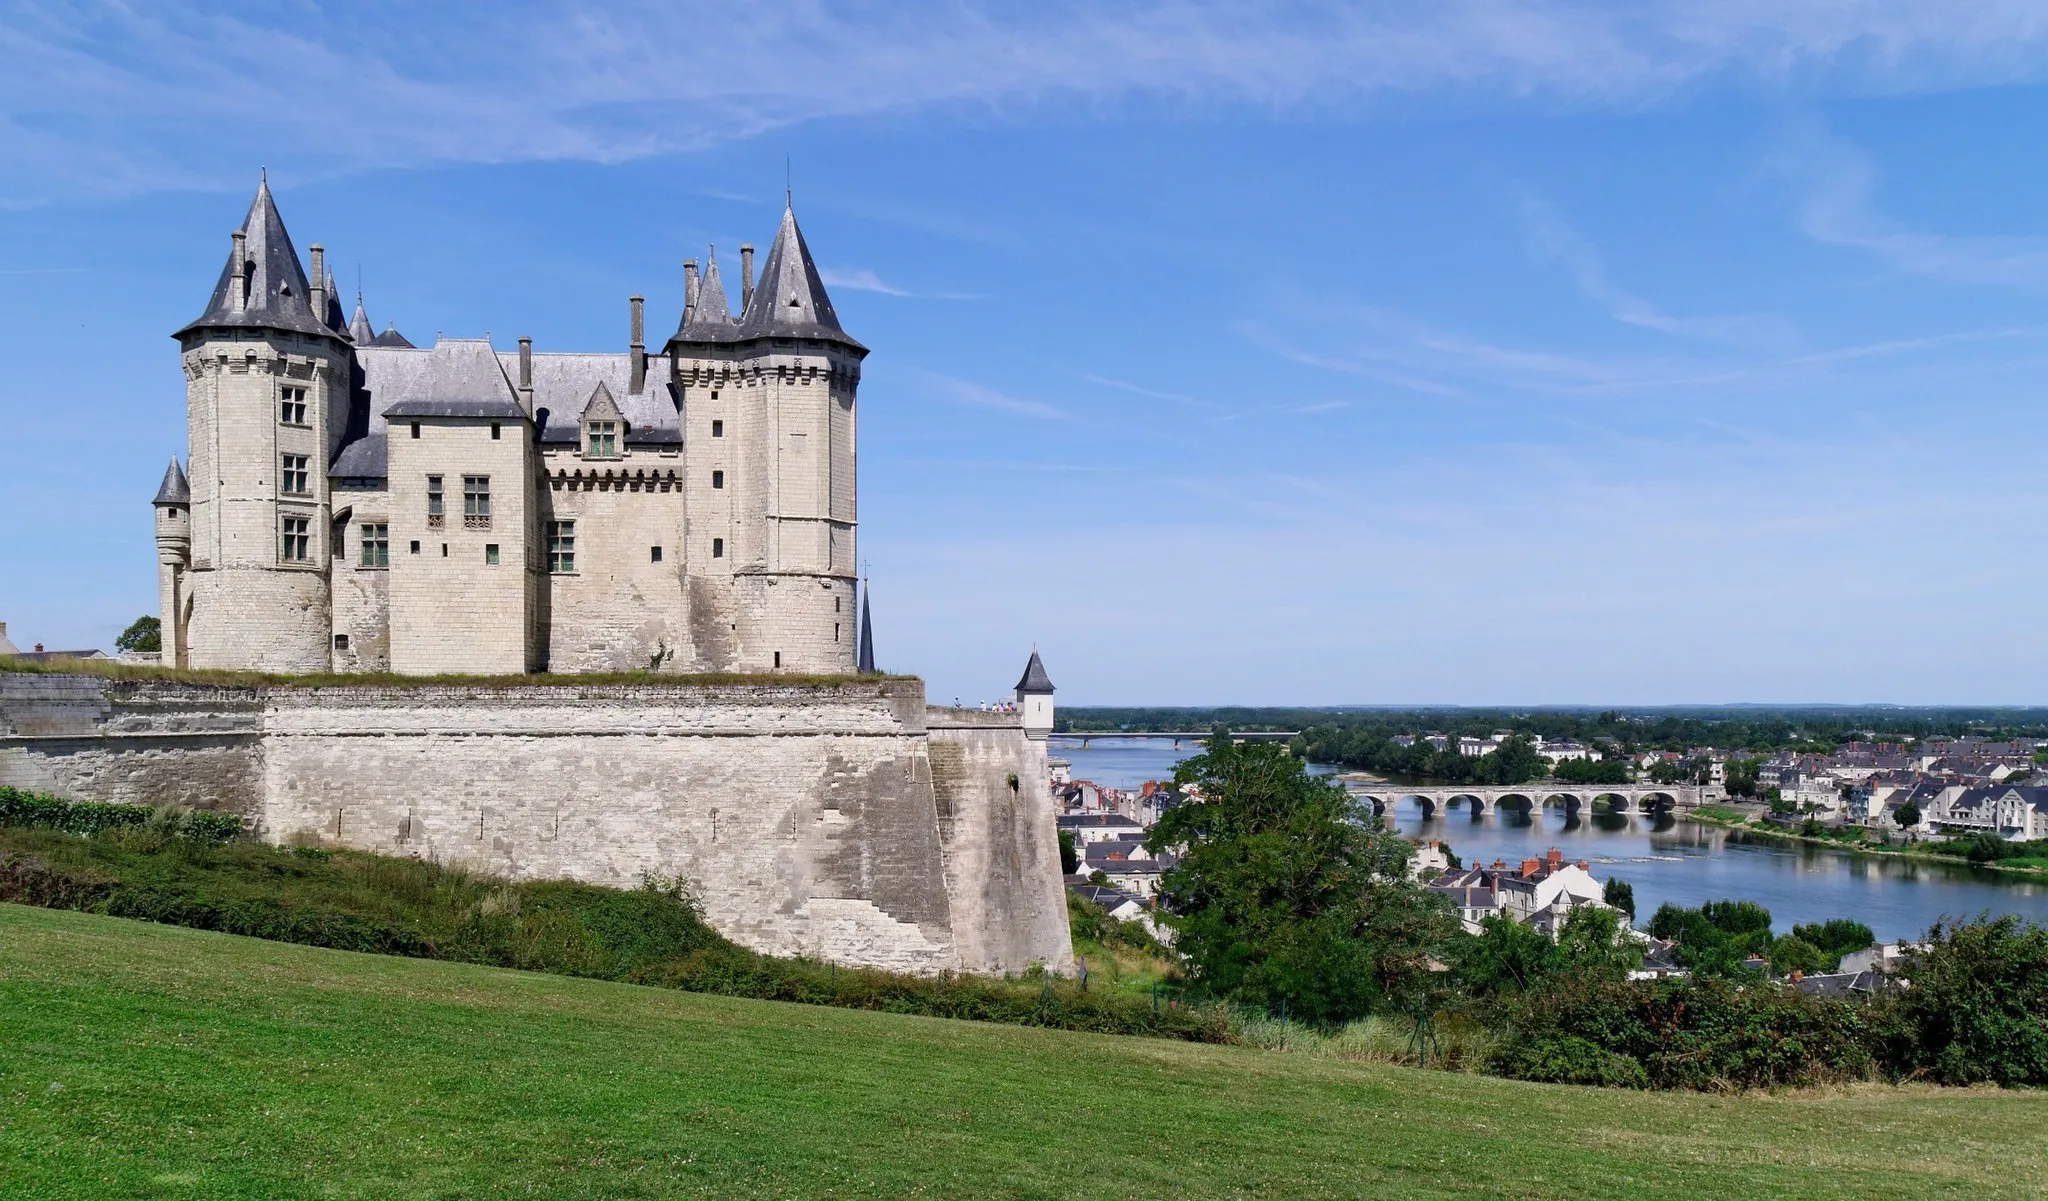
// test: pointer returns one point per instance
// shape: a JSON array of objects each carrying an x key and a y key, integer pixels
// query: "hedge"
[{"x": 40, "y": 811}]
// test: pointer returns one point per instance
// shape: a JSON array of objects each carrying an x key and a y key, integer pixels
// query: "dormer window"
[{"x": 604, "y": 440}]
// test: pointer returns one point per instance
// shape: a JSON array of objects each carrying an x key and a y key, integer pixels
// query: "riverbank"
[{"x": 1706, "y": 817}]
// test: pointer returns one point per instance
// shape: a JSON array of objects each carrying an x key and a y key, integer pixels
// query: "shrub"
[
  {"x": 1569, "y": 1060},
  {"x": 1705, "y": 1034},
  {"x": 88, "y": 818},
  {"x": 1977, "y": 1007}
]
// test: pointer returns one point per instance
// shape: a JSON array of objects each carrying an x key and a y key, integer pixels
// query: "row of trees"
[
  {"x": 1284, "y": 898},
  {"x": 1759, "y": 731}
]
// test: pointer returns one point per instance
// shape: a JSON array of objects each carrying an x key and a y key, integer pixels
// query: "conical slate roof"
[
  {"x": 865, "y": 662},
  {"x": 335, "y": 320},
  {"x": 174, "y": 490},
  {"x": 391, "y": 337},
  {"x": 279, "y": 297},
  {"x": 359, "y": 330},
  {"x": 1034, "y": 679},
  {"x": 710, "y": 320},
  {"x": 790, "y": 300}
]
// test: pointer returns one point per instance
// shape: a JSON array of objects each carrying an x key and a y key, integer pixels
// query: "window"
[
  {"x": 494, "y": 431},
  {"x": 714, "y": 394},
  {"x": 835, "y": 631},
  {"x": 604, "y": 440},
  {"x": 562, "y": 547},
  {"x": 415, "y": 546},
  {"x": 718, "y": 479},
  {"x": 718, "y": 429},
  {"x": 835, "y": 604},
  {"x": 434, "y": 502},
  {"x": 292, "y": 480},
  {"x": 377, "y": 545},
  {"x": 297, "y": 546},
  {"x": 292, "y": 409},
  {"x": 490, "y": 554},
  {"x": 718, "y": 548},
  {"x": 654, "y": 554},
  {"x": 778, "y": 660},
  {"x": 415, "y": 429},
  {"x": 476, "y": 502},
  {"x": 341, "y": 642}
]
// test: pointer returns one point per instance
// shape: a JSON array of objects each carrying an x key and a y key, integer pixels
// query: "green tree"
[
  {"x": 1284, "y": 892},
  {"x": 1907, "y": 815},
  {"x": 1595, "y": 945},
  {"x": 1070, "y": 855},
  {"x": 1794, "y": 954},
  {"x": 1620, "y": 894},
  {"x": 1663, "y": 771},
  {"x": 143, "y": 634},
  {"x": 1505, "y": 957},
  {"x": 1836, "y": 937},
  {"x": 1974, "y": 1011}
]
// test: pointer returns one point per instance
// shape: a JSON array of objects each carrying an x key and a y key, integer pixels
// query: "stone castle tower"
[{"x": 356, "y": 503}]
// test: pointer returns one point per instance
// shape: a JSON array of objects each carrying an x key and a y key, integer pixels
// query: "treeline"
[
  {"x": 1514, "y": 762},
  {"x": 1756, "y": 730},
  {"x": 1283, "y": 900}
]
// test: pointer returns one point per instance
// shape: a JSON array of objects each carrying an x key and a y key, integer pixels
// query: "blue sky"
[{"x": 1460, "y": 352}]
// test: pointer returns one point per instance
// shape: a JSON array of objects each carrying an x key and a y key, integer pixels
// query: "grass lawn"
[{"x": 194, "y": 1064}]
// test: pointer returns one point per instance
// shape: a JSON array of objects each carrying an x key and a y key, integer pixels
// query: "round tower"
[
  {"x": 770, "y": 401},
  {"x": 1034, "y": 700},
  {"x": 174, "y": 558},
  {"x": 266, "y": 376}
]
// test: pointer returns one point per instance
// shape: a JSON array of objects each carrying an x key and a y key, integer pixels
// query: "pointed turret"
[
  {"x": 1034, "y": 699},
  {"x": 359, "y": 330},
  {"x": 174, "y": 490},
  {"x": 865, "y": 662},
  {"x": 708, "y": 316},
  {"x": 336, "y": 319},
  {"x": 392, "y": 338},
  {"x": 790, "y": 301},
  {"x": 262, "y": 285}
]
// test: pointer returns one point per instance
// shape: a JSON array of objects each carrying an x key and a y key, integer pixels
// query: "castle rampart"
[{"x": 844, "y": 821}]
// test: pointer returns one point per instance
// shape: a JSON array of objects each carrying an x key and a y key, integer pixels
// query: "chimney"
[
  {"x": 1556, "y": 859},
  {"x": 639, "y": 345},
  {"x": 317, "y": 298},
  {"x": 526, "y": 375},
  {"x": 1530, "y": 866},
  {"x": 238, "y": 273},
  {"x": 689, "y": 290},
  {"x": 746, "y": 275}
]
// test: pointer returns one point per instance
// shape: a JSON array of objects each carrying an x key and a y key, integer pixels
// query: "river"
[{"x": 1670, "y": 859}]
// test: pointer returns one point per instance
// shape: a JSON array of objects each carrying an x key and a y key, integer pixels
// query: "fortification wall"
[{"x": 808, "y": 820}]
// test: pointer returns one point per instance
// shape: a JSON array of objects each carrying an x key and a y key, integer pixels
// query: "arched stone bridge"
[{"x": 1573, "y": 798}]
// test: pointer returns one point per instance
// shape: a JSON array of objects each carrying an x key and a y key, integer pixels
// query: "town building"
[{"x": 352, "y": 502}]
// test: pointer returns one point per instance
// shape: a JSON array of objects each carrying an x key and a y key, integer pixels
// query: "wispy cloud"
[
  {"x": 1839, "y": 208},
  {"x": 1552, "y": 240},
  {"x": 1122, "y": 385},
  {"x": 101, "y": 97},
  {"x": 981, "y": 396},
  {"x": 860, "y": 279}
]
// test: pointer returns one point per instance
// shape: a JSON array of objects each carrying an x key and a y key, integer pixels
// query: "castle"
[{"x": 355, "y": 503}]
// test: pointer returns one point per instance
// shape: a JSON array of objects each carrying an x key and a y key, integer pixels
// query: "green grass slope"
[{"x": 153, "y": 1061}]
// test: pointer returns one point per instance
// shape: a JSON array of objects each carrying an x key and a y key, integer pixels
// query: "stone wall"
[{"x": 836, "y": 821}]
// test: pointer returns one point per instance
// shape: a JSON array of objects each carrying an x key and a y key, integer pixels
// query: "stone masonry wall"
[{"x": 819, "y": 821}]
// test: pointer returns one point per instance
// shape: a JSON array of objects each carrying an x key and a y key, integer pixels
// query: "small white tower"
[
  {"x": 174, "y": 556},
  {"x": 1034, "y": 700}
]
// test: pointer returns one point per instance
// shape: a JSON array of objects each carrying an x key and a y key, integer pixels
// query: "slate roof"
[
  {"x": 359, "y": 330},
  {"x": 563, "y": 382},
  {"x": 463, "y": 378},
  {"x": 362, "y": 459},
  {"x": 789, "y": 301},
  {"x": 1083, "y": 821},
  {"x": 279, "y": 296},
  {"x": 174, "y": 490},
  {"x": 1034, "y": 678},
  {"x": 391, "y": 338},
  {"x": 709, "y": 318},
  {"x": 864, "y": 662}
]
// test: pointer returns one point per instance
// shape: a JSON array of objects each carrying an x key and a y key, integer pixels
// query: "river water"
[{"x": 1669, "y": 859}]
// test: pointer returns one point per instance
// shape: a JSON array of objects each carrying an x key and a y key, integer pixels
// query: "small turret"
[
  {"x": 174, "y": 557},
  {"x": 1034, "y": 699}
]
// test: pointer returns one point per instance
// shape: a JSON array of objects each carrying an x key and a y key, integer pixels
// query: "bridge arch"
[
  {"x": 1656, "y": 802},
  {"x": 1570, "y": 802},
  {"x": 1520, "y": 802}
]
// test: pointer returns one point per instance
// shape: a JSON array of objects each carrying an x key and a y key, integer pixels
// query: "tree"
[
  {"x": 1070, "y": 855},
  {"x": 1907, "y": 815},
  {"x": 1794, "y": 954},
  {"x": 1595, "y": 945},
  {"x": 1620, "y": 894},
  {"x": 1836, "y": 937},
  {"x": 1505, "y": 957},
  {"x": 1283, "y": 892},
  {"x": 1974, "y": 1011},
  {"x": 143, "y": 634},
  {"x": 1740, "y": 776},
  {"x": 1663, "y": 771}
]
